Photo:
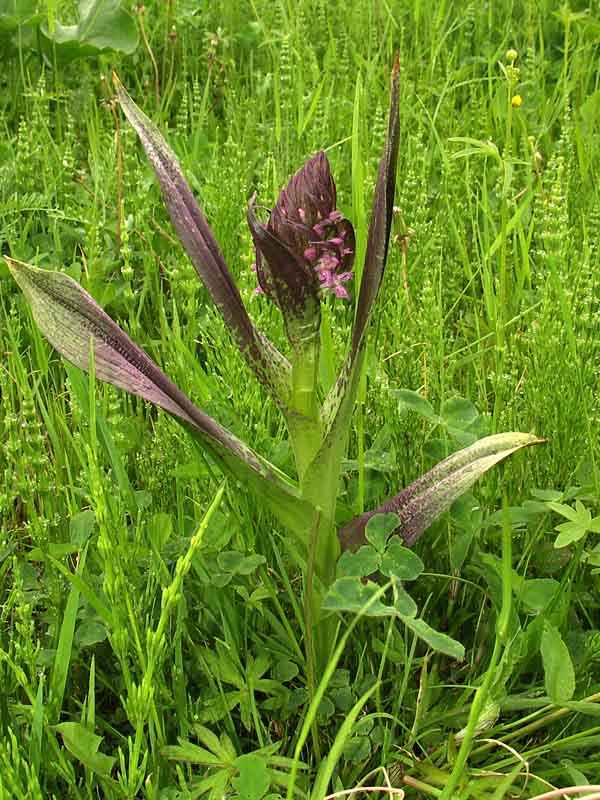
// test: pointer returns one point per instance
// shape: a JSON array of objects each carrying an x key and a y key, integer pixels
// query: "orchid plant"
[{"x": 304, "y": 251}]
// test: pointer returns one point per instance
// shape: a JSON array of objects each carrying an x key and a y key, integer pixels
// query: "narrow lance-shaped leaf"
[
  {"x": 426, "y": 499},
  {"x": 381, "y": 218},
  {"x": 339, "y": 404},
  {"x": 375, "y": 258},
  {"x": 270, "y": 366},
  {"x": 71, "y": 319}
]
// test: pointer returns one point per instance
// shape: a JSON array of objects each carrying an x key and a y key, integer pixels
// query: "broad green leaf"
[
  {"x": 285, "y": 671},
  {"x": 329, "y": 764},
  {"x": 580, "y": 523},
  {"x": 54, "y": 549},
  {"x": 357, "y": 749},
  {"x": 103, "y": 25},
  {"x": 400, "y": 562},
  {"x": 83, "y": 744},
  {"x": 365, "y": 561},
  {"x": 90, "y": 633},
  {"x": 239, "y": 564},
  {"x": 558, "y": 667},
  {"x": 537, "y": 593},
  {"x": 326, "y": 708},
  {"x": 81, "y": 526},
  {"x": 416, "y": 402},
  {"x": 253, "y": 780},
  {"x": 379, "y": 528},
  {"x": 569, "y": 532},
  {"x": 458, "y": 412},
  {"x": 221, "y": 746},
  {"x": 578, "y": 514},
  {"x": 16, "y": 13},
  {"x": 426, "y": 499},
  {"x": 351, "y": 594},
  {"x": 192, "y": 754},
  {"x": 434, "y": 639}
]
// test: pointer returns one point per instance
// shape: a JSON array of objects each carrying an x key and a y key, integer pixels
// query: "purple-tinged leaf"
[
  {"x": 271, "y": 368},
  {"x": 339, "y": 404},
  {"x": 381, "y": 219},
  {"x": 72, "y": 321},
  {"x": 427, "y": 498}
]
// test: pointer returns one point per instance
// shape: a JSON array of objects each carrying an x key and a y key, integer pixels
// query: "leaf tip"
[{"x": 14, "y": 267}]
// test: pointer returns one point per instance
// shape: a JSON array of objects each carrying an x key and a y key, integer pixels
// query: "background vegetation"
[{"x": 124, "y": 675}]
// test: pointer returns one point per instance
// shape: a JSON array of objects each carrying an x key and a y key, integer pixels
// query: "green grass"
[{"x": 134, "y": 660}]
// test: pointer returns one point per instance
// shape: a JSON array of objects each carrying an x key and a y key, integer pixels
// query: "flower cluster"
[
  {"x": 309, "y": 228},
  {"x": 331, "y": 252}
]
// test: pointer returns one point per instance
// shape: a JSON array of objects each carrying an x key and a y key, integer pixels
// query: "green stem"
[
  {"x": 309, "y": 627},
  {"x": 304, "y": 420}
]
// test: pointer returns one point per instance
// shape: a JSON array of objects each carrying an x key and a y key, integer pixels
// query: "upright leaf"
[
  {"x": 558, "y": 667},
  {"x": 339, "y": 404},
  {"x": 271, "y": 368},
  {"x": 423, "y": 501}
]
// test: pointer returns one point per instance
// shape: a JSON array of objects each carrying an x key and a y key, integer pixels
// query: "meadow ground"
[{"x": 122, "y": 674}]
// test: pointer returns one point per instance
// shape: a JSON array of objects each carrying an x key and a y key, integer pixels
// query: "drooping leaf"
[
  {"x": 197, "y": 238},
  {"x": 103, "y": 25},
  {"x": 71, "y": 320},
  {"x": 422, "y": 502},
  {"x": 558, "y": 667},
  {"x": 16, "y": 13}
]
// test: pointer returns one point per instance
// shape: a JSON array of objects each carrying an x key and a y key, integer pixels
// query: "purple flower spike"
[{"x": 306, "y": 245}]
